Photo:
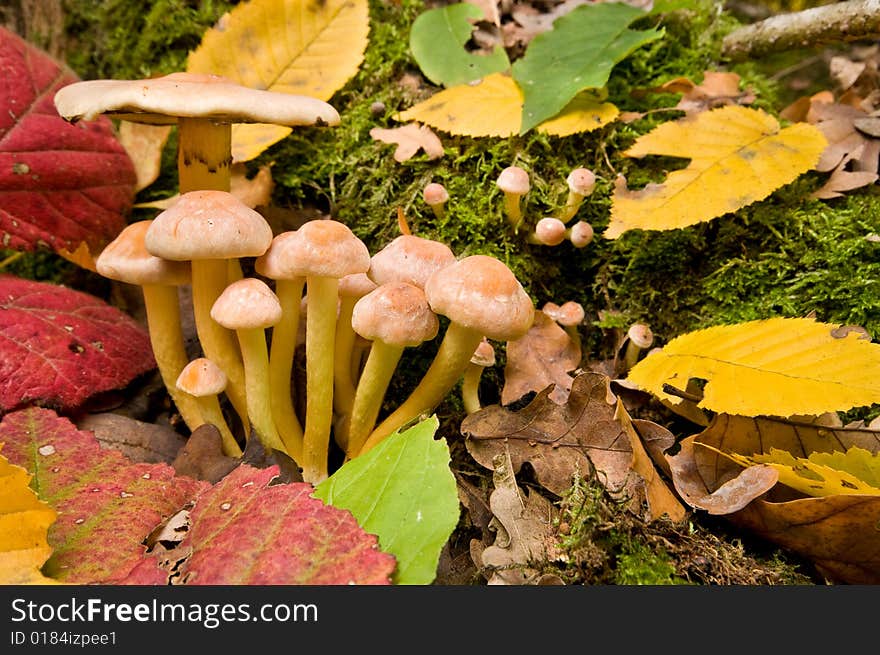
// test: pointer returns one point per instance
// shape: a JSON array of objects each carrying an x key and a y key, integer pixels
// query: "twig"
[{"x": 852, "y": 20}]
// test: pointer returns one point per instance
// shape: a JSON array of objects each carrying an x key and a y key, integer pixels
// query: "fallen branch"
[{"x": 852, "y": 20}]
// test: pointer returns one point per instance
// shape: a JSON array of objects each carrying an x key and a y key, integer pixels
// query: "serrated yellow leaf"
[
  {"x": 303, "y": 47},
  {"x": 738, "y": 156},
  {"x": 775, "y": 367},
  {"x": 855, "y": 471},
  {"x": 24, "y": 525},
  {"x": 493, "y": 107}
]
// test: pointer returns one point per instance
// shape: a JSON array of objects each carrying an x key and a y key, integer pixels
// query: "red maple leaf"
[
  {"x": 59, "y": 346},
  {"x": 60, "y": 184}
]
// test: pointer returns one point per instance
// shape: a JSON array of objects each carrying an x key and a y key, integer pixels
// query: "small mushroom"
[
  {"x": 569, "y": 315},
  {"x": 549, "y": 231},
  {"x": 203, "y": 380},
  {"x": 436, "y": 196},
  {"x": 248, "y": 306},
  {"x": 514, "y": 182},
  {"x": 481, "y": 297},
  {"x": 639, "y": 338},
  {"x": 484, "y": 357},
  {"x": 580, "y": 234},
  {"x": 581, "y": 182}
]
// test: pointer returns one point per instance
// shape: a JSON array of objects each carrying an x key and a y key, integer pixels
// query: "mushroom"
[
  {"x": 248, "y": 306},
  {"x": 203, "y": 380},
  {"x": 514, "y": 182},
  {"x": 394, "y": 316},
  {"x": 483, "y": 357},
  {"x": 126, "y": 259},
  {"x": 436, "y": 196},
  {"x": 580, "y": 234},
  {"x": 323, "y": 251},
  {"x": 481, "y": 297},
  {"x": 409, "y": 258},
  {"x": 277, "y": 264},
  {"x": 639, "y": 337},
  {"x": 549, "y": 231},
  {"x": 208, "y": 228},
  {"x": 202, "y": 106},
  {"x": 581, "y": 182},
  {"x": 569, "y": 315}
]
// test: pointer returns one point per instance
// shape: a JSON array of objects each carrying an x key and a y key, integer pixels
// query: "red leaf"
[
  {"x": 106, "y": 505},
  {"x": 59, "y": 346},
  {"x": 244, "y": 531},
  {"x": 60, "y": 184}
]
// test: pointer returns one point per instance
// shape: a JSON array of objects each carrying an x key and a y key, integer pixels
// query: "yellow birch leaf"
[
  {"x": 144, "y": 144},
  {"x": 738, "y": 156},
  {"x": 857, "y": 471},
  {"x": 775, "y": 367},
  {"x": 493, "y": 105},
  {"x": 302, "y": 47},
  {"x": 24, "y": 526}
]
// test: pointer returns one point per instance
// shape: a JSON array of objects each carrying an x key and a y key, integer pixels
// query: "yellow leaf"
[
  {"x": 493, "y": 107},
  {"x": 857, "y": 471},
  {"x": 778, "y": 367},
  {"x": 144, "y": 144},
  {"x": 82, "y": 256},
  {"x": 738, "y": 156},
  {"x": 303, "y": 47},
  {"x": 24, "y": 525}
]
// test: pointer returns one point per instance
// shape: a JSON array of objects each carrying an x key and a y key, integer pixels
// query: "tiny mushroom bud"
[
  {"x": 580, "y": 234},
  {"x": 481, "y": 297},
  {"x": 204, "y": 380},
  {"x": 393, "y": 316},
  {"x": 581, "y": 182},
  {"x": 436, "y": 197},
  {"x": 484, "y": 357},
  {"x": 248, "y": 306},
  {"x": 639, "y": 338},
  {"x": 514, "y": 182},
  {"x": 549, "y": 231}
]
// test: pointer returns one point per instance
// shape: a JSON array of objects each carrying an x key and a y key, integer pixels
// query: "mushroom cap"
[
  {"x": 322, "y": 247},
  {"x": 126, "y": 259},
  {"x": 275, "y": 263},
  {"x": 568, "y": 313},
  {"x": 550, "y": 231},
  {"x": 482, "y": 293},
  {"x": 581, "y": 181},
  {"x": 641, "y": 335},
  {"x": 202, "y": 377},
  {"x": 247, "y": 303},
  {"x": 208, "y": 224},
  {"x": 484, "y": 355},
  {"x": 396, "y": 313},
  {"x": 162, "y": 100},
  {"x": 581, "y": 234},
  {"x": 435, "y": 194},
  {"x": 515, "y": 180},
  {"x": 356, "y": 285},
  {"x": 409, "y": 258}
]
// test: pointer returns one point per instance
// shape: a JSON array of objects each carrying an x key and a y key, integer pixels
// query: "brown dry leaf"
[
  {"x": 202, "y": 457},
  {"x": 410, "y": 138},
  {"x": 490, "y": 9},
  {"x": 716, "y": 90},
  {"x": 529, "y": 21},
  {"x": 544, "y": 355},
  {"x": 525, "y": 530},
  {"x": 137, "y": 440},
  {"x": 144, "y": 144},
  {"x": 858, "y": 71}
]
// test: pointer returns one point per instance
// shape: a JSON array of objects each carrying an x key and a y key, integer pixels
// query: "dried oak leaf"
[
  {"x": 245, "y": 530},
  {"x": 139, "y": 441},
  {"x": 410, "y": 138},
  {"x": 58, "y": 346},
  {"x": 716, "y": 90},
  {"x": 545, "y": 355},
  {"x": 61, "y": 185},
  {"x": 106, "y": 505}
]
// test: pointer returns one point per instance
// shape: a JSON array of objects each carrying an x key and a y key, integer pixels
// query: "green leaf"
[
  {"x": 403, "y": 491},
  {"x": 577, "y": 54},
  {"x": 437, "y": 40}
]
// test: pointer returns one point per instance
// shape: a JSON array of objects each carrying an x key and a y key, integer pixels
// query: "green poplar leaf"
[
  {"x": 577, "y": 54},
  {"x": 437, "y": 39},
  {"x": 403, "y": 491}
]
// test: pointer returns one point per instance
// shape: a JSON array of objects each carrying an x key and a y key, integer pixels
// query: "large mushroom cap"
[
  {"x": 126, "y": 259},
  {"x": 396, "y": 313},
  {"x": 409, "y": 258},
  {"x": 325, "y": 248},
  {"x": 162, "y": 100},
  {"x": 247, "y": 303},
  {"x": 208, "y": 224},
  {"x": 482, "y": 293}
]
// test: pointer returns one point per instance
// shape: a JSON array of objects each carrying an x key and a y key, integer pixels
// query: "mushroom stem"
[
  {"x": 470, "y": 385},
  {"x": 281, "y": 355},
  {"x": 452, "y": 359},
  {"x": 255, "y": 355},
  {"x": 343, "y": 383},
  {"x": 209, "y": 279},
  {"x": 204, "y": 155},
  {"x": 320, "y": 337},
  {"x": 211, "y": 413},
  {"x": 378, "y": 371},
  {"x": 163, "y": 322}
]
